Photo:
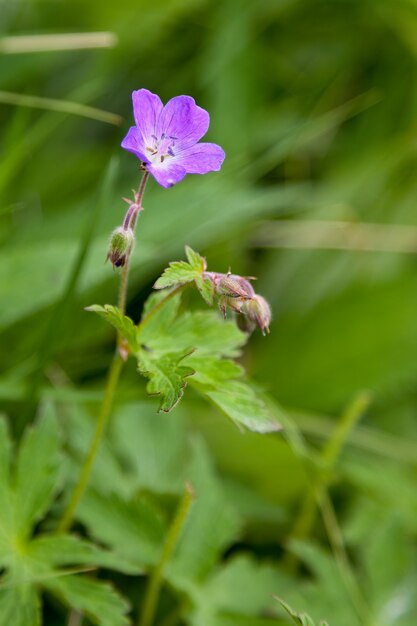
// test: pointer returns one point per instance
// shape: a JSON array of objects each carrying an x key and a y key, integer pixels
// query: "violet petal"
[
  {"x": 167, "y": 175},
  {"x": 202, "y": 158},
  {"x": 147, "y": 107},
  {"x": 182, "y": 119},
  {"x": 133, "y": 142}
]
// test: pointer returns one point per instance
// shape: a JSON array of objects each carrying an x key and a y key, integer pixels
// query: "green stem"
[
  {"x": 327, "y": 460},
  {"x": 112, "y": 380},
  {"x": 173, "y": 535},
  {"x": 125, "y": 271},
  {"x": 111, "y": 384}
]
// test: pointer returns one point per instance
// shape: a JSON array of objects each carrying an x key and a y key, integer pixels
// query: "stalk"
[{"x": 113, "y": 377}]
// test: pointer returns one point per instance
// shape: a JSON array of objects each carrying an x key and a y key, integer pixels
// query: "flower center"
[{"x": 161, "y": 149}]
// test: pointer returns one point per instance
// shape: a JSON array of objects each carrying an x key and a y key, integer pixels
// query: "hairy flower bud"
[
  {"x": 258, "y": 312},
  {"x": 121, "y": 244},
  {"x": 234, "y": 286}
]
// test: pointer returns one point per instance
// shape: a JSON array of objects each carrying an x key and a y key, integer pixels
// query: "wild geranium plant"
[{"x": 174, "y": 347}]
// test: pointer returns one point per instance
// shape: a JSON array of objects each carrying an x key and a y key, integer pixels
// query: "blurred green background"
[{"x": 314, "y": 102}]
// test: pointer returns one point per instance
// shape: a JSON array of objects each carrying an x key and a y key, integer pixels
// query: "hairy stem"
[
  {"x": 125, "y": 270},
  {"x": 171, "y": 540},
  {"x": 111, "y": 385}
]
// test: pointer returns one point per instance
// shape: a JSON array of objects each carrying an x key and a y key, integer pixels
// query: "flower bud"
[
  {"x": 234, "y": 286},
  {"x": 121, "y": 244},
  {"x": 258, "y": 312}
]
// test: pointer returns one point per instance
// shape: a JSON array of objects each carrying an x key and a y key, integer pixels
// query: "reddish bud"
[
  {"x": 121, "y": 244},
  {"x": 258, "y": 311},
  {"x": 234, "y": 286}
]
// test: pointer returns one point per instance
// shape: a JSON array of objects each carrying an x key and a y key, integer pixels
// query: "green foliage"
[
  {"x": 302, "y": 619},
  {"x": 174, "y": 348},
  {"x": 46, "y": 562},
  {"x": 181, "y": 273},
  {"x": 123, "y": 324},
  {"x": 318, "y": 125},
  {"x": 166, "y": 376}
]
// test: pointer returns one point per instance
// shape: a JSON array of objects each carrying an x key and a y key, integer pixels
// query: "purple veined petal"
[
  {"x": 202, "y": 158},
  {"x": 133, "y": 142},
  {"x": 182, "y": 119},
  {"x": 167, "y": 175},
  {"x": 147, "y": 108}
]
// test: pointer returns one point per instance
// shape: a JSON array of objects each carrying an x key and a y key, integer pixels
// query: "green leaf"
[
  {"x": 259, "y": 581},
  {"x": 181, "y": 272},
  {"x": 166, "y": 376},
  {"x": 98, "y": 600},
  {"x": 19, "y": 605},
  {"x": 64, "y": 550},
  {"x": 302, "y": 619},
  {"x": 37, "y": 475},
  {"x": 134, "y": 528},
  {"x": 202, "y": 341},
  {"x": 6, "y": 506},
  {"x": 33, "y": 565},
  {"x": 239, "y": 401},
  {"x": 211, "y": 526},
  {"x": 123, "y": 324}
]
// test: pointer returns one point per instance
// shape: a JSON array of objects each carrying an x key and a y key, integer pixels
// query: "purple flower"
[{"x": 165, "y": 138}]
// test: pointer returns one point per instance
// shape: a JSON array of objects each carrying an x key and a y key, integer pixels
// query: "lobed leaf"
[
  {"x": 99, "y": 601},
  {"x": 196, "y": 344},
  {"x": 181, "y": 272},
  {"x": 166, "y": 376},
  {"x": 123, "y": 324},
  {"x": 64, "y": 550},
  {"x": 37, "y": 475}
]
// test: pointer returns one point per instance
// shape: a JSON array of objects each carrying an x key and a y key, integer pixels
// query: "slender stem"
[
  {"x": 171, "y": 540},
  {"x": 112, "y": 380},
  {"x": 328, "y": 458},
  {"x": 125, "y": 270},
  {"x": 337, "y": 543},
  {"x": 111, "y": 384}
]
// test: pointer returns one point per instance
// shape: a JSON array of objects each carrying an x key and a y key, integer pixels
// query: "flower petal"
[
  {"x": 133, "y": 142},
  {"x": 183, "y": 119},
  {"x": 167, "y": 175},
  {"x": 202, "y": 158},
  {"x": 147, "y": 107}
]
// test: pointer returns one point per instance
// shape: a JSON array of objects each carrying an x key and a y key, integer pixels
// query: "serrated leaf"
[
  {"x": 215, "y": 376},
  {"x": 195, "y": 260},
  {"x": 37, "y": 473},
  {"x": 33, "y": 565},
  {"x": 181, "y": 272},
  {"x": 243, "y": 405},
  {"x": 177, "y": 273},
  {"x": 63, "y": 550},
  {"x": 98, "y": 600},
  {"x": 206, "y": 289},
  {"x": 205, "y": 331},
  {"x": 166, "y": 376},
  {"x": 123, "y": 324},
  {"x": 133, "y": 528}
]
